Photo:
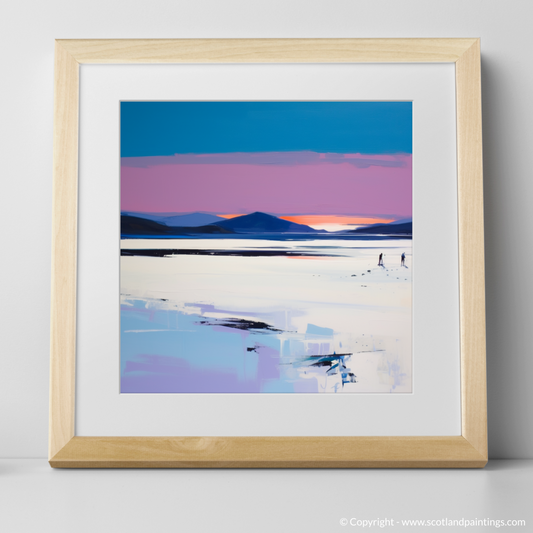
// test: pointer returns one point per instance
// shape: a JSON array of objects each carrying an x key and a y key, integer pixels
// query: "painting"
[{"x": 266, "y": 247}]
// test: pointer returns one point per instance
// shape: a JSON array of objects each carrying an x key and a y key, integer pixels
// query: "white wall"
[{"x": 27, "y": 31}]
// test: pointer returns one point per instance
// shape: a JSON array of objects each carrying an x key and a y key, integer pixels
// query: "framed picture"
[{"x": 277, "y": 260}]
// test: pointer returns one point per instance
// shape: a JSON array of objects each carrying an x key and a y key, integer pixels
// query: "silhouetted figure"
[
  {"x": 380, "y": 262},
  {"x": 403, "y": 259}
]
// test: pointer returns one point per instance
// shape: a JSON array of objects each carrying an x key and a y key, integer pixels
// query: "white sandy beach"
[{"x": 368, "y": 308}]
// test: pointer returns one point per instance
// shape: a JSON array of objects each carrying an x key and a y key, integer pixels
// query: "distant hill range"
[
  {"x": 139, "y": 224},
  {"x": 135, "y": 225},
  {"x": 399, "y": 227},
  {"x": 191, "y": 220}
]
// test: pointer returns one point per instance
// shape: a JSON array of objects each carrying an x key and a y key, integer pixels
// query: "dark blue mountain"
[
  {"x": 405, "y": 228},
  {"x": 138, "y": 226},
  {"x": 262, "y": 223},
  {"x": 388, "y": 224},
  {"x": 402, "y": 221}
]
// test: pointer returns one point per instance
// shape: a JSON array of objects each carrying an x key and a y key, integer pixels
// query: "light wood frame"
[{"x": 467, "y": 450}]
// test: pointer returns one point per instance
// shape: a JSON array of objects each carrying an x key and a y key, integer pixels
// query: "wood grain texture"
[
  {"x": 64, "y": 224},
  {"x": 268, "y": 452},
  {"x": 468, "y": 450},
  {"x": 265, "y": 50},
  {"x": 471, "y": 249}
]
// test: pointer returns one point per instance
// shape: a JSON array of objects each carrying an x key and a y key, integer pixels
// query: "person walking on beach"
[
  {"x": 380, "y": 261},
  {"x": 403, "y": 259}
]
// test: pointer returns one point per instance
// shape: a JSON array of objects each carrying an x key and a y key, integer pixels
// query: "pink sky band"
[{"x": 274, "y": 182}]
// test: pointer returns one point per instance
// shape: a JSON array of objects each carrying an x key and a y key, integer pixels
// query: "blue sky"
[{"x": 168, "y": 128}]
